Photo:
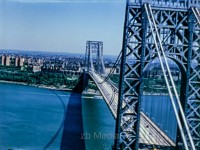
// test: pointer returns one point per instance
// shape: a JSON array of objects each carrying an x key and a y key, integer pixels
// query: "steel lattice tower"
[
  {"x": 179, "y": 31},
  {"x": 94, "y": 53}
]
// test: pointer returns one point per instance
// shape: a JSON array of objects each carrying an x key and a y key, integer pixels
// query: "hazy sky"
[{"x": 61, "y": 25}]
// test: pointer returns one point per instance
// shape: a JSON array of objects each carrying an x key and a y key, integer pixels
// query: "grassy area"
[
  {"x": 158, "y": 86},
  {"x": 11, "y": 73},
  {"x": 151, "y": 85},
  {"x": 48, "y": 79}
]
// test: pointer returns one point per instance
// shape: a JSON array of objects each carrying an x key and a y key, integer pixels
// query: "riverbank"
[
  {"x": 38, "y": 86},
  {"x": 33, "y": 118},
  {"x": 89, "y": 92}
]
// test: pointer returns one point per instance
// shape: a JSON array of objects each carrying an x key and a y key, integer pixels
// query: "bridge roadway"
[{"x": 149, "y": 134}]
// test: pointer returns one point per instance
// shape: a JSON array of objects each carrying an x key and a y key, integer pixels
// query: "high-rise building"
[
  {"x": 21, "y": 62},
  {"x": 7, "y": 61},
  {"x": 2, "y": 60},
  {"x": 16, "y": 61}
]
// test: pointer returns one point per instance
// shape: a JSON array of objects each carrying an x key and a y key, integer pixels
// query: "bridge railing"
[
  {"x": 108, "y": 80},
  {"x": 157, "y": 136},
  {"x": 180, "y": 4}
]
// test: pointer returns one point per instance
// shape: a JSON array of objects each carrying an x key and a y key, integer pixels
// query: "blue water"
[
  {"x": 99, "y": 125},
  {"x": 159, "y": 109},
  {"x": 35, "y": 118}
]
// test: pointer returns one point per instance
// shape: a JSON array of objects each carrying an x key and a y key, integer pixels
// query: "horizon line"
[{"x": 49, "y": 51}]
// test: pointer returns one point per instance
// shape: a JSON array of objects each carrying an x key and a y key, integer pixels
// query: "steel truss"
[
  {"x": 94, "y": 57},
  {"x": 179, "y": 32}
]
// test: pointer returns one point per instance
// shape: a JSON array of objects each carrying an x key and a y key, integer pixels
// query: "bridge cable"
[
  {"x": 173, "y": 85},
  {"x": 196, "y": 13},
  {"x": 106, "y": 79},
  {"x": 156, "y": 37},
  {"x": 166, "y": 80},
  {"x": 113, "y": 94},
  {"x": 115, "y": 65},
  {"x": 112, "y": 69}
]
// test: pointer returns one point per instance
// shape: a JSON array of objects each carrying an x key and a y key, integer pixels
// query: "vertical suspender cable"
[
  {"x": 103, "y": 67},
  {"x": 112, "y": 69},
  {"x": 167, "y": 83},
  {"x": 91, "y": 60},
  {"x": 196, "y": 13},
  {"x": 173, "y": 85}
]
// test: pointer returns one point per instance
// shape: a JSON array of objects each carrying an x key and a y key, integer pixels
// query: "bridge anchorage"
[{"x": 163, "y": 29}]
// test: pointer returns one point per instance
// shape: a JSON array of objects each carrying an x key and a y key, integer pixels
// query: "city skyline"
[{"x": 61, "y": 25}]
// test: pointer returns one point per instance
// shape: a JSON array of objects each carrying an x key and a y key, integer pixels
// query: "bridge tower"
[
  {"x": 94, "y": 57},
  {"x": 176, "y": 25}
]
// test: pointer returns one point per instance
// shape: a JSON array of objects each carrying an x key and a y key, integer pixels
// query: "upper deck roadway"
[{"x": 149, "y": 134}]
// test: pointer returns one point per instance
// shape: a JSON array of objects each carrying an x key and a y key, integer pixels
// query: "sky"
[{"x": 61, "y": 25}]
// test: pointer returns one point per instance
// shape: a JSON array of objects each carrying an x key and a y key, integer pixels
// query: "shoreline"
[
  {"x": 89, "y": 93},
  {"x": 67, "y": 89},
  {"x": 38, "y": 86}
]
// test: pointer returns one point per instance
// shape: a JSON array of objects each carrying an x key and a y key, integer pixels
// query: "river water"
[
  {"x": 35, "y": 118},
  {"x": 32, "y": 118}
]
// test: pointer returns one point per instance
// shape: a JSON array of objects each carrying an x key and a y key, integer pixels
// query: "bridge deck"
[{"x": 149, "y": 134}]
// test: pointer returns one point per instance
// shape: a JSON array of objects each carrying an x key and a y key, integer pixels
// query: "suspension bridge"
[{"x": 163, "y": 29}]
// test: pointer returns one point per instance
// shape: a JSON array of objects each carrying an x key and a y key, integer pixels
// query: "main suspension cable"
[
  {"x": 173, "y": 85},
  {"x": 196, "y": 13},
  {"x": 112, "y": 69},
  {"x": 165, "y": 76}
]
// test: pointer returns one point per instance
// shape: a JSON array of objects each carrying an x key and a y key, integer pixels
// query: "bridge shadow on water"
[{"x": 73, "y": 123}]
